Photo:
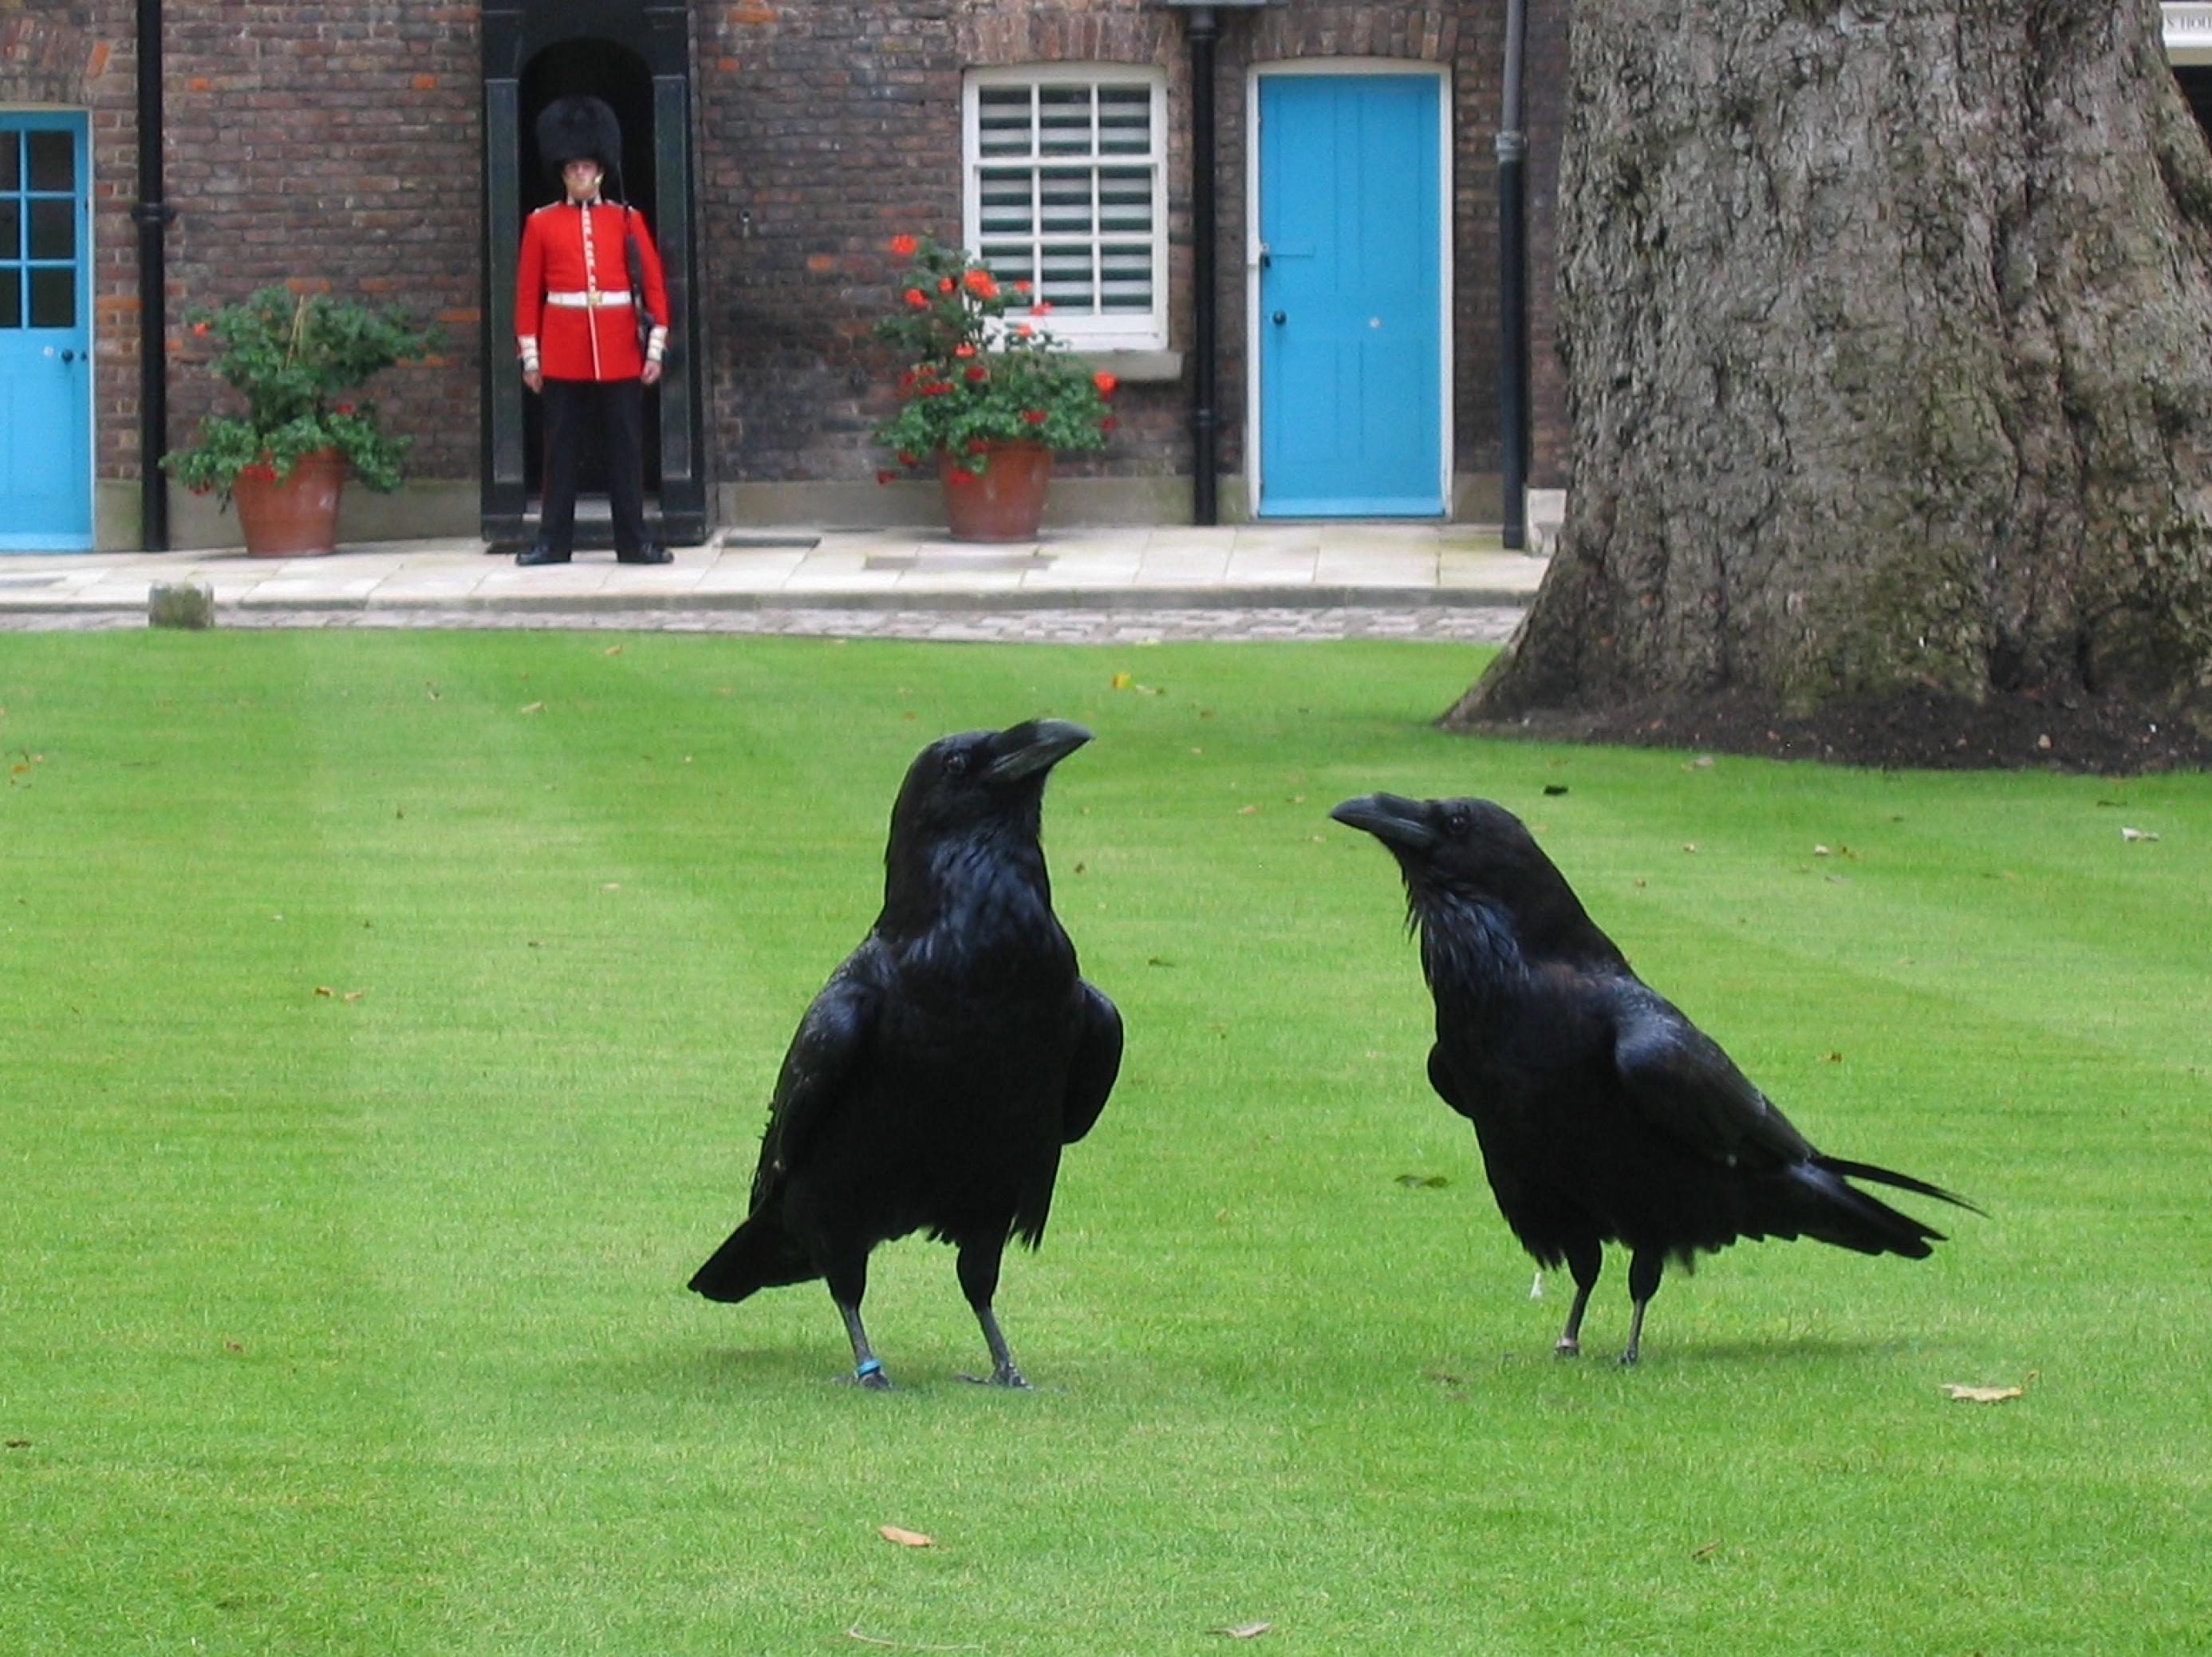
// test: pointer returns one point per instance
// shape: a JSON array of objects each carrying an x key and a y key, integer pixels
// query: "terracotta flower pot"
[
  {"x": 1005, "y": 501},
  {"x": 296, "y": 516}
]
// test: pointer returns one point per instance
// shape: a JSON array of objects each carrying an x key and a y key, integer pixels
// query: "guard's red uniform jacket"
[{"x": 574, "y": 312}]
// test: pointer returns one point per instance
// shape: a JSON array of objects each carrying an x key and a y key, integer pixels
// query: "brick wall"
[{"x": 334, "y": 147}]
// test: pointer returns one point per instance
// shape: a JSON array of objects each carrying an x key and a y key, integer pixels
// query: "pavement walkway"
[{"x": 1296, "y": 580}]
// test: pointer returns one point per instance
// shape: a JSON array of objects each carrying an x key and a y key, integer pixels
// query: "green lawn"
[{"x": 355, "y": 1321}]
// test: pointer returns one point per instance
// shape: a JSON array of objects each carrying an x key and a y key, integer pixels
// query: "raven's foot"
[
  {"x": 1567, "y": 1349},
  {"x": 1628, "y": 1359},
  {"x": 1004, "y": 1375},
  {"x": 871, "y": 1375}
]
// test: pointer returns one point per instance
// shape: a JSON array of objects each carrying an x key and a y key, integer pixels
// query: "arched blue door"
[
  {"x": 45, "y": 335},
  {"x": 1351, "y": 320}
]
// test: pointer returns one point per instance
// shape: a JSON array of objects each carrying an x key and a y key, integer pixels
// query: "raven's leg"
[
  {"x": 1645, "y": 1267},
  {"x": 848, "y": 1281},
  {"x": 979, "y": 1282},
  {"x": 1585, "y": 1260}
]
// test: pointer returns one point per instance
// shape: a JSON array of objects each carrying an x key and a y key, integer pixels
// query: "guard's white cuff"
[
  {"x": 527, "y": 345},
  {"x": 656, "y": 345}
]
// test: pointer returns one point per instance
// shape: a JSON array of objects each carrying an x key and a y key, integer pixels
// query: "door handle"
[
  {"x": 68, "y": 356},
  {"x": 1278, "y": 319}
]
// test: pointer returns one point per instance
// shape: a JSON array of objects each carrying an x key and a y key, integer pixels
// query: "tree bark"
[{"x": 1887, "y": 328}]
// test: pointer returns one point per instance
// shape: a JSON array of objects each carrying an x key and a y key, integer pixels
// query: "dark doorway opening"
[
  {"x": 2196, "y": 81},
  {"x": 597, "y": 68}
]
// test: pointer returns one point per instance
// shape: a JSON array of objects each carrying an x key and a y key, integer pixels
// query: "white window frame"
[{"x": 1129, "y": 330}]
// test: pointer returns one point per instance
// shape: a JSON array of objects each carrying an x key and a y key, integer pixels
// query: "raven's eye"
[
  {"x": 1456, "y": 824},
  {"x": 956, "y": 763}
]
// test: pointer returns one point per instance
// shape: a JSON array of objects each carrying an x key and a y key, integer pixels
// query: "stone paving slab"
[{"x": 1439, "y": 579}]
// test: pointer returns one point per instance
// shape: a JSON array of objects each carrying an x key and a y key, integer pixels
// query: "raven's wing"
[
  {"x": 1446, "y": 1080},
  {"x": 1095, "y": 1064},
  {"x": 1682, "y": 1083},
  {"x": 819, "y": 1066}
]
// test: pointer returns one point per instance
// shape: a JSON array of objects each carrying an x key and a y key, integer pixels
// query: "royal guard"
[{"x": 591, "y": 325}]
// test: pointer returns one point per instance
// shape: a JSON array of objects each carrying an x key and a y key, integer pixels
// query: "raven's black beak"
[
  {"x": 1392, "y": 819},
  {"x": 1034, "y": 746}
]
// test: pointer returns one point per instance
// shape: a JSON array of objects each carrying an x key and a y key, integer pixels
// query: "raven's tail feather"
[
  {"x": 1828, "y": 1209},
  {"x": 1891, "y": 1177},
  {"x": 759, "y": 1254}
]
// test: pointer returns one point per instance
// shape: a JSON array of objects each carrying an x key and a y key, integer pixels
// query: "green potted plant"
[
  {"x": 295, "y": 357},
  {"x": 987, "y": 398}
]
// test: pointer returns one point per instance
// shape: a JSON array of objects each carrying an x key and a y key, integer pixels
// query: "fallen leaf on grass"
[
  {"x": 1961, "y": 1394},
  {"x": 533, "y": 708},
  {"x": 1553, "y": 790},
  {"x": 2136, "y": 834},
  {"x": 1424, "y": 1181},
  {"x": 905, "y": 1539},
  {"x": 1122, "y": 681},
  {"x": 612, "y": 651},
  {"x": 1245, "y": 1631},
  {"x": 19, "y": 1444},
  {"x": 355, "y": 995},
  {"x": 1706, "y": 1552},
  {"x": 325, "y": 989},
  {"x": 1248, "y": 811}
]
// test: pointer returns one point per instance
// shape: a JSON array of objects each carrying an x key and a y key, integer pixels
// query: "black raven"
[
  {"x": 1602, "y": 1112},
  {"x": 937, "y": 1075}
]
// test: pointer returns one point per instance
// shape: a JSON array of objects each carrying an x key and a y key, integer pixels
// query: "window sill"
[{"x": 1136, "y": 367}]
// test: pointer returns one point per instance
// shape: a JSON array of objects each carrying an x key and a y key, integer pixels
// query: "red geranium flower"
[
  {"x": 976, "y": 444},
  {"x": 1105, "y": 382},
  {"x": 882, "y": 476},
  {"x": 945, "y": 284},
  {"x": 916, "y": 298},
  {"x": 199, "y": 327},
  {"x": 342, "y": 408},
  {"x": 904, "y": 245},
  {"x": 1035, "y": 416},
  {"x": 981, "y": 284},
  {"x": 905, "y": 458},
  {"x": 1043, "y": 308},
  {"x": 963, "y": 348},
  {"x": 977, "y": 371},
  {"x": 962, "y": 475}
]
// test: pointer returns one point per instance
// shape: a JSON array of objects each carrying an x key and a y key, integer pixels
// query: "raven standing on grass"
[
  {"x": 1603, "y": 1114},
  {"x": 938, "y": 1073}
]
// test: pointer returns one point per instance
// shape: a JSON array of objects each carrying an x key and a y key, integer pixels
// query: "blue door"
[
  {"x": 1351, "y": 317},
  {"x": 46, "y": 333}
]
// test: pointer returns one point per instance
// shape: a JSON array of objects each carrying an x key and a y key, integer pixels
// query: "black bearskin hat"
[{"x": 578, "y": 129}]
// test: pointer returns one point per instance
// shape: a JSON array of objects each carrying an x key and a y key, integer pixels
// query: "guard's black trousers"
[{"x": 613, "y": 412}]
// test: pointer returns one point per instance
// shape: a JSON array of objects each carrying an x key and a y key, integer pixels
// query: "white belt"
[{"x": 589, "y": 301}]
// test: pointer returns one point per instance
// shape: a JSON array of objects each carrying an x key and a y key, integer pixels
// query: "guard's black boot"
[
  {"x": 530, "y": 557},
  {"x": 651, "y": 552}
]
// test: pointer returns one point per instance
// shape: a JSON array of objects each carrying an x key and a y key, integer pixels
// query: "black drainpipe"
[
  {"x": 1204, "y": 230},
  {"x": 152, "y": 213},
  {"x": 1513, "y": 291}
]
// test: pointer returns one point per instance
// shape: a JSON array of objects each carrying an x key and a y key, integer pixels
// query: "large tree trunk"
[{"x": 1888, "y": 337}]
